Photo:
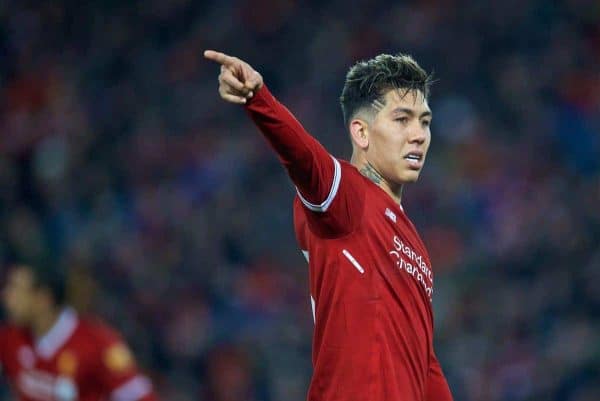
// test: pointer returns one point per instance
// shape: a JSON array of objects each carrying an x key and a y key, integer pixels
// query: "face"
[
  {"x": 399, "y": 136},
  {"x": 19, "y": 296}
]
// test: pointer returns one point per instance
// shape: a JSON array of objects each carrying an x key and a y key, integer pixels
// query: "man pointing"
[{"x": 371, "y": 280}]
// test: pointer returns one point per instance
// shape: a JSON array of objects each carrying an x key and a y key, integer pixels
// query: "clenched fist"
[{"x": 238, "y": 80}]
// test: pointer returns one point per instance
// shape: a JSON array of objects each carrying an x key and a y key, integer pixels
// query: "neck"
[
  {"x": 44, "y": 321},
  {"x": 367, "y": 169}
]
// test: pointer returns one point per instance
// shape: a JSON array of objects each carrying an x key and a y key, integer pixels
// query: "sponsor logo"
[
  {"x": 407, "y": 260},
  {"x": 390, "y": 215}
]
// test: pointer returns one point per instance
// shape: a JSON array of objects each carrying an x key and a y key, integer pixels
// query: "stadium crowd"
[{"x": 173, "y": 217}]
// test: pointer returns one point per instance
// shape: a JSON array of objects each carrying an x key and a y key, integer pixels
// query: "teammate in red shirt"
[
  {"x": 371, "y": 280},
  {"x": 49, "y": 353}
]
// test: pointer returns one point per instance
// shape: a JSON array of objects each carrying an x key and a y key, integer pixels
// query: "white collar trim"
[{"x": 57, "y": 336}]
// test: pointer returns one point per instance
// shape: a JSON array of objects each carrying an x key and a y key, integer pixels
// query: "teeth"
[{"x": 413, "y": 157}]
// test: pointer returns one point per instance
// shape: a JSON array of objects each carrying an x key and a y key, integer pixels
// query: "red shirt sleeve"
[
  {"x": 312, "y": 169},
  {"x": 317, "y": 175},
  {"x": 117, "y": 371},
  {"x": 437, "y": 386}
]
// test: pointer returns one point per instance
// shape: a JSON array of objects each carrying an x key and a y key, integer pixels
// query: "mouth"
[{"x": 415, "y": 160}]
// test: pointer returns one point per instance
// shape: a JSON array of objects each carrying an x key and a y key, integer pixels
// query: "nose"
[{"x": 417, "y": 134}]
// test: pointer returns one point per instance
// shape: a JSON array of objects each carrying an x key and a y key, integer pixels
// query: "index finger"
[{"x": 219, "y": 57}]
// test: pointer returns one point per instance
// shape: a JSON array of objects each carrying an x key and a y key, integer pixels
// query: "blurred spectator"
[{"x": 49, "y": 352}]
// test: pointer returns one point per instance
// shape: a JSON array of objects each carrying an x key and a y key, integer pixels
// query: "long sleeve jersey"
[{"x": 371, "y": 282}]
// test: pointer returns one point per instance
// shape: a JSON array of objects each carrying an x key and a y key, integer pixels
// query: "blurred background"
[{"x": 119, "y": 160}]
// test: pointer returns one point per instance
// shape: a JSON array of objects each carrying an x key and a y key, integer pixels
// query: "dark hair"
[
  {"x": 49, "y": 276},
  {"x": 370, "y": 80}
]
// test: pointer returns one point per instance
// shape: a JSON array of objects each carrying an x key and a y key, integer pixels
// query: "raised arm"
[{"x": 313, "y": 170}]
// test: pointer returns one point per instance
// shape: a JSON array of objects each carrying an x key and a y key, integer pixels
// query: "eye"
[
  {"x": 426, "y": 123},
  {"x": 403, "y": 120}
]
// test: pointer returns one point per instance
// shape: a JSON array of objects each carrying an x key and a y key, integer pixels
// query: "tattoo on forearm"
[{"x": 369, "y": 171}]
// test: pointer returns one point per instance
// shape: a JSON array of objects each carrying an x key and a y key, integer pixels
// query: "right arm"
[{"x": 313, "y": 170}]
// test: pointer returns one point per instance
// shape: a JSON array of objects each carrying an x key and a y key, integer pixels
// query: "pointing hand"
[{"x": 238, "y": 81}]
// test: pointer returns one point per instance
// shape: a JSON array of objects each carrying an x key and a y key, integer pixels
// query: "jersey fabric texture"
[{"x": 371, "y": 282}]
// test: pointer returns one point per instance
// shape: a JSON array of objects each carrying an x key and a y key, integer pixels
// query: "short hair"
[
  {"x": 49, "y": 276},
  {"x": 370, "y": 80}
]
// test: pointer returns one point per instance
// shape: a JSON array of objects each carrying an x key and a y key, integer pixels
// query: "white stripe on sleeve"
[{"x": 322, "y": 207}]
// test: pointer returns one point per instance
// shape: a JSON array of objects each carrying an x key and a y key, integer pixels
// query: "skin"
[
  {"x": 27, "y": 305},
  {"x": 382, "y": 138},
  {"x": 382, "y": 135}
]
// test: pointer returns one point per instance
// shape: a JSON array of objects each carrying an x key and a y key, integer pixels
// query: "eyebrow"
[{"x": 411, "y": 112}]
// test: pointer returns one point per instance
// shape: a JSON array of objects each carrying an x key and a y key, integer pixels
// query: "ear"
[{"x": 359, "y": 132}]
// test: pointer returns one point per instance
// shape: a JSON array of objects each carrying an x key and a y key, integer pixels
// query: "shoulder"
[
  {"x": 351, "y": 173},
  {"x": 114, "y": 353},
  {"x": 352, "y": 180},
  {"x": 10, "y": 334},
  {"x": 98, "y": 330},
  {"x": 11, "y": 343},
  {"x": 343, "y": 209},
  {"x": 349, "y": 169}
]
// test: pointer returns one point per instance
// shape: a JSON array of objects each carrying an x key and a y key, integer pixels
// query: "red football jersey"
[
  {"x": 77, "y": 360},
  {"x": 371, "y": 282}
]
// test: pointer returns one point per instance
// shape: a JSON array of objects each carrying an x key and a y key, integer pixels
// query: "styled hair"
[
  {"x": 48, "y": 276},
  {"x": 368, "y": 81}
]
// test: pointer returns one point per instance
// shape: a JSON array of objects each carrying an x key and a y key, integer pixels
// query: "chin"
[{"x": 408, "y": 178}]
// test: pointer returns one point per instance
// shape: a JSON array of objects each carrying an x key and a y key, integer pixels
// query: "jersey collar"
[{"x": 58, "y": 335}]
